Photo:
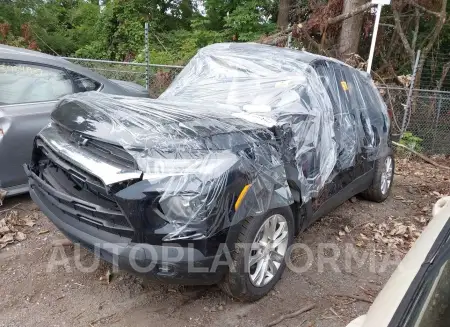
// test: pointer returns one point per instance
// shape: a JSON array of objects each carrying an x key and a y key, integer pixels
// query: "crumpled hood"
[
  {"x": 191, "y": 159},
  {"x": 146, "y": 124}
]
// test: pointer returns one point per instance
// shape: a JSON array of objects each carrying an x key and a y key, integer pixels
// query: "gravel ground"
[{"x": 31, "y": 295}]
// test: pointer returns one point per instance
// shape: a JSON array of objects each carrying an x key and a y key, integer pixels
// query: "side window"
[
  {"x": 353, "y": 92},
  {"x": 330, "y": 76},
  {"x": 345, "y": 127},
  {"x": 23, "y": 83},
  {"x": 83, "y": 83},
  {"x": 374, "y": 103},
  {"x": 358, "y": 99}
]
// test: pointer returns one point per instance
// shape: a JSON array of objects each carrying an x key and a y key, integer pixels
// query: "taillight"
[{"x": 390, "y": 113}]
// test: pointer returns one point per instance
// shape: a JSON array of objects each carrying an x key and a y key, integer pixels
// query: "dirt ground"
[{"x": 33, "y": 296}]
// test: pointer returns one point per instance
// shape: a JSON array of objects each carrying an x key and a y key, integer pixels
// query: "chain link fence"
[
  {"x": 159, "y": 77},
  {"x": 427, "y": 122}
]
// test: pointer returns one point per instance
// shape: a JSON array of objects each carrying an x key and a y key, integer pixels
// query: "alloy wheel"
[
  {"x": 268, "y": 250},
  {"x": 386, "y": 175}
]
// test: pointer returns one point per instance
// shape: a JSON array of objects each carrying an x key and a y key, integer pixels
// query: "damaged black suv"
[{"x": 210, "y": 182}]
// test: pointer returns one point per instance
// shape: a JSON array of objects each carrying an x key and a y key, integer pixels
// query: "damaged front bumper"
[
  {"x": 122, "y": 222},
  {"x": 185, "y": 263},
  {"x": 138, "y": 206}
]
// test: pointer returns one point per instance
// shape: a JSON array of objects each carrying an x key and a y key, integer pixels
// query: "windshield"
[
  {"x": 240, "y": 77},
  {"x": 268, "y": 86}
]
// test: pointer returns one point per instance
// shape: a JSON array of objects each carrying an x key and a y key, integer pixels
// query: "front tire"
[
  {"x": 382, "y": 180},
  {"x": 259, "y": 258}
]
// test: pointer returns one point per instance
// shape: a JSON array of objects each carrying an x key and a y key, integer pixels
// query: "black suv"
[{"x": 211, "y": 182}]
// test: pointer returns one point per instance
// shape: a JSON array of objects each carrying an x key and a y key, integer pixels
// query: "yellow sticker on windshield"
[{"x": 344, "y": 85}]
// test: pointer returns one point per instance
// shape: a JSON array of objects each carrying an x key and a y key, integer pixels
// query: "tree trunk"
[
  {"x": 351, "y": 29},
  {"x": 283, "y": 14}
]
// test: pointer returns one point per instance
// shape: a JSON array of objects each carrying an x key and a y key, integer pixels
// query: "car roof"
[
  {"x": 251, "y": 49},
  {"x": 9, "y": 52},
  {"x": 255, "y": 48},
  {"x": 36, "y": 57}
]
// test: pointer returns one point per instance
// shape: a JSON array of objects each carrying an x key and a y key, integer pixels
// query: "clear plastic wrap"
[
  {"x": 240, "y": 120},
  {"x": 198, "y": 158},
  {"x": 274, "y": 87},
  {"x": 321, "y": 112}
]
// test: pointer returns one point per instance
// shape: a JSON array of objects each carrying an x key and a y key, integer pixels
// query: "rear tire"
[
  {"x": 245, "y": 283},
  {"x": 382, "y": 180}
]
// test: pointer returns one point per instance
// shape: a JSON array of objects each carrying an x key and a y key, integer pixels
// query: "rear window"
[{"x": 24, "y": 83}]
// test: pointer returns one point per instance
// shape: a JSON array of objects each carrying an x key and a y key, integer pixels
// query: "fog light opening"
[{"x": 166, "y": 268}]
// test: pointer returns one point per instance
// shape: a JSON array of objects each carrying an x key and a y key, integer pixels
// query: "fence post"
[
  {"x": 408, "y": 101},
  {"x": 147, "y": 58},
  {"x": 289, "y": 40},
  {"x": 437, "y": 121}
]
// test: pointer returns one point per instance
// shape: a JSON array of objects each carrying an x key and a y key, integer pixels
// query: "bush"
[{"x": 411, "y": 141}]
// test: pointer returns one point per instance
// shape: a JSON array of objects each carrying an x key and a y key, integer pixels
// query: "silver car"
[{"x": 30, "y": 85}]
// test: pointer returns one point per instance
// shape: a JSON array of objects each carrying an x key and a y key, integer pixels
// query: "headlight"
[
  {"x": 184, "y": 207},
  {"x": 189, "y": 187},
  {"x": 211, "y": 166}
]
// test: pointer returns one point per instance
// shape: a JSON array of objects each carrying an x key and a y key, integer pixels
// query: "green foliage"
[
  {"x": 199, "y": 36},
  {"x": 249, "y": 21},
  {"x": 178, "y": 28},
  {"x": 217, "y": 10},
  {"x": 411, "y": 141},
  {"x": 115, "y": 30}
]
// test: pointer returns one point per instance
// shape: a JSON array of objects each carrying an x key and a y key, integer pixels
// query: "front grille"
[
  {"x": 78, "y": 193},
  {"x": 111, "y": 153},
  {"x": 107, "y": 152}
]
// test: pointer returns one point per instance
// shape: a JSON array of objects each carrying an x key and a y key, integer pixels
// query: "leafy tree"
[
  {"x": 14, "y": 16},
  {"x": 114, "y": 29},
  {"x": 249, "y": 20},
  {"x": 217, "y": 11}
]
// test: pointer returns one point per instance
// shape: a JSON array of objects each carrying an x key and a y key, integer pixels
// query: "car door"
[
  {"x": 349, "y": 164},
  {"x": 28, "y": 94},
  {"x": 366, "y": 120}
]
